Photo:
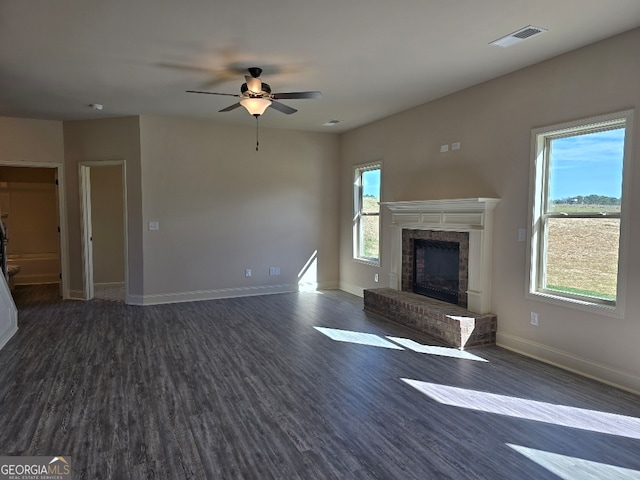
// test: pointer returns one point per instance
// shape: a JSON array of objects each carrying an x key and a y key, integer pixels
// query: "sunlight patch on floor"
[
  {"x": 357, "y": 337},
  {"x": 308, "y": 275},
  {"x": 573, "y": 468},
  {"x": 434, "y": 350},
  {"x": 562, "y": 415}
]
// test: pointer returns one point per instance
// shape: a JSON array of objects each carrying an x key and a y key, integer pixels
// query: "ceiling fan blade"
[
  {"x": 230, "y": 107},
  {"x": 216, "y": 76},
  {"x": 292, "y": 95},
  {"x": 281, "y": 107},
  {"x": 253, "y": 84},
  {"x": 188, "y": 68},
  {"x": 214, "y": 93}
]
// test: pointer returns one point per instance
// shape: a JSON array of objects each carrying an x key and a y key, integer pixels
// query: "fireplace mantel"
[{"x": 473, "y": 215}]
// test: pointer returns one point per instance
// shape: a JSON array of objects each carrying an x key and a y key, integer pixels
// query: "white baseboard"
[
  {"x": 314, "y": 286},
  {"x": 76, "y": 295},
  {"x": 201, "y": 295},
  {"x": 36, "y": 279},
  {"x": 109, "y": 284},
  {"x": 568, "y": 361},
  {"x": 352, "y": 289},
  {"x": 209, "y": 294}
]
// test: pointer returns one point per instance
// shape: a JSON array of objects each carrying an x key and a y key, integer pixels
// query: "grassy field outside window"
[
  {"x": 578, "y": 198},
  {"x": 366, "y": 223}
]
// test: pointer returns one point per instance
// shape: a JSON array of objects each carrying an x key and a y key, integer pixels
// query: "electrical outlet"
[
  {"x": 534, "y": 319},
  {"x": 247, "y": 272},
  {"x": 376, "y": 278}
]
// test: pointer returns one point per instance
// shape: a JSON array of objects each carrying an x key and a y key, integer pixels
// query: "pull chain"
[{"x": 257, "y": 142}]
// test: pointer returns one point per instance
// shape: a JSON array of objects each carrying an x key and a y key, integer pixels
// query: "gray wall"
[
  {"x": 223, "y": 207},
  {"x": 493, "y": 121},
  {"x": 104, "y": 140}
]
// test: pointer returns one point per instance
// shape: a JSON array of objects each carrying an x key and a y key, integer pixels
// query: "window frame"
[
  {"x": 358, "y": 214},
  {"x": 540, "y": 214}
]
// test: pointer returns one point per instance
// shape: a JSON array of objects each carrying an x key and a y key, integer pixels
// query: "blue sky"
[
  {"x": 371, "y": 183},
  {"x": 587, "y": 164}
]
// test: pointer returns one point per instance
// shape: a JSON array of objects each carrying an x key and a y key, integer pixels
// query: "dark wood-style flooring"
[{"x": 249, "y": 389}]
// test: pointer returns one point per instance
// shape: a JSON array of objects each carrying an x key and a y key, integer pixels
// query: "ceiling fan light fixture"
[{"x": 255, "y": 106}]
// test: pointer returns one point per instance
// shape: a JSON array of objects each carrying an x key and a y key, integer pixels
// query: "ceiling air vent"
[{"x": 518, "y": 36}]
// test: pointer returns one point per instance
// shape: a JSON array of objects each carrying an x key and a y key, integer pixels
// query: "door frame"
[
  {"x": 84, "y": 170},
  {"x": 62, "y": 217}
]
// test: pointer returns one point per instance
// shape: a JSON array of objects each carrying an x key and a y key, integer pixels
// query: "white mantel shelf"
[
  {"x": 473, "y": 215},
  {"x": 458, "y": 214}
]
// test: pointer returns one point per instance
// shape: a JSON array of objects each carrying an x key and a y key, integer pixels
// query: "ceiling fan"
[{"x": 257, "y": 96}]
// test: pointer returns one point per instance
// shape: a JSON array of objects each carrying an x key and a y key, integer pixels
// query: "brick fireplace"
[
  {"x": 467, "y": 224},
  {"x": 468, "y": 221}
]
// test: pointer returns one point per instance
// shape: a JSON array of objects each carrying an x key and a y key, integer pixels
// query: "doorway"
[
  {"x": 33, "y": 211},
  {"x": 104, "y": 230}
]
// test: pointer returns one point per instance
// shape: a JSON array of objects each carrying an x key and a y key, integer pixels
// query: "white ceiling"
[{"x": 370, "y": 58}]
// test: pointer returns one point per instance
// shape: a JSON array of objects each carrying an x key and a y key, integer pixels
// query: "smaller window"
[{"x": 366, "y": 213}]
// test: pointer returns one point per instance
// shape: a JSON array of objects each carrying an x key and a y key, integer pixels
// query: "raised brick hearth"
[{"x": 450, "y": 324}]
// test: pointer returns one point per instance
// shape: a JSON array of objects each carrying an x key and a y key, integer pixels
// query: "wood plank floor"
[{"x": 249, "y": 389}]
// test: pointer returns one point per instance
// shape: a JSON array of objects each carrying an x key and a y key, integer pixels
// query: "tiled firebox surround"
[
  {"x": 461, "y": 238},
  {"x": 468, "y": 221}
]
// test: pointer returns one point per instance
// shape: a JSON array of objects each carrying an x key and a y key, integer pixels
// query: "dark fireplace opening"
[{"x": 436, "y": 269}]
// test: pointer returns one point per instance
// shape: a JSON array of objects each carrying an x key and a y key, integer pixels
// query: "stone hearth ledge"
[{"x": 450, "y": 324}]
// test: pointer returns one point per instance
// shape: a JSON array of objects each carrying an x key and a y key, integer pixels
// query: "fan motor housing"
[{"x": 244, "y": 89}]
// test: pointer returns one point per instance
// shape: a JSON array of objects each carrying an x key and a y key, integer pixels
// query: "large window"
[
  {"x": 366, "y": 213},
  {"x": 578, "y": 211}
]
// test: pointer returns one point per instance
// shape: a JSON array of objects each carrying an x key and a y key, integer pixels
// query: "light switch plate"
[
  {"x": 154, "y": 225},
  {"x": 522, "y": 234}
]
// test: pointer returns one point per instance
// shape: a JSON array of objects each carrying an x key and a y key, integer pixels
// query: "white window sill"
[
  {"x": 584, "y": 305},
  {"x": 367, "y": 261}
]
